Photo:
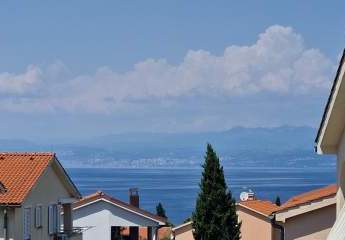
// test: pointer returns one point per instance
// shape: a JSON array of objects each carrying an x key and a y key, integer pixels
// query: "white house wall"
[
  {"x": 101, "y": 215},
  {"x": 49, "y": 189},
  {"x": 341, "y": 174}
]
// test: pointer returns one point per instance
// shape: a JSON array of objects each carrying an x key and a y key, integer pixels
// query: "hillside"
[{"x": 239, "y": 147}]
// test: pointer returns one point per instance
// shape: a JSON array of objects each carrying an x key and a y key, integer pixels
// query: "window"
[
  {"x": 27, "y": 223},
  {"x": 38, "y": 216},
  {"x": 53, "y": 219}
]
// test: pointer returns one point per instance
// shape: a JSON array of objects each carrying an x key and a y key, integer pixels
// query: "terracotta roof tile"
[
  {"x": 310, "y": 197},
  {"x": 101, "y": 195},
  {"x": 19, "y": 172},
  {"x": 262, "y": 206}
]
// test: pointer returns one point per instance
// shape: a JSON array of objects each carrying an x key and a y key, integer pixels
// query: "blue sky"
[{"x": 86, "y": 68}]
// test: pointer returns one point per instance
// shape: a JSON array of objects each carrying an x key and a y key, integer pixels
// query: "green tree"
[
  {"x": 215, "y": 215},
  {"x": 160, "y": 211},
  {"x": 278, "y": 203}
]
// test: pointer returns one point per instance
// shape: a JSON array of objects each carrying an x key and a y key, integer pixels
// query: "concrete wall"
[
  {"x": 48, "y": 190},
  {"x": 184, "y": 233},
  {"x": 254, "y": 226},
  {"x": 101, "y": 215},
  {"x": 314, "y": 225}
]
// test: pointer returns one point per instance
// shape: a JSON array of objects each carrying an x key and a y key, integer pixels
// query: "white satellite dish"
[{"x": 244, "y": 196}]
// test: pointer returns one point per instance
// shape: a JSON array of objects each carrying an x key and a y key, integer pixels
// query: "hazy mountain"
[{"x": 254, "y": 147}]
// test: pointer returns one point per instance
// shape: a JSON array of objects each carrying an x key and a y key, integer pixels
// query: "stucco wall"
[
  {"x": 254, "y": 226},
  {"x": 314, "y": 225},
  {"x": 49, "y": 189},
  {"x": 100, "y": 216},
  {"x": 184, "y": 233}
]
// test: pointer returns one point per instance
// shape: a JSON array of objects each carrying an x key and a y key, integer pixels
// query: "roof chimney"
[
  {"x": 134, "y": 197},
  {"x": 251, "y": 195}
]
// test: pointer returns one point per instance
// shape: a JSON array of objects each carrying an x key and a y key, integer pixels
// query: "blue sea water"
[{"x": 177, "y": 189}]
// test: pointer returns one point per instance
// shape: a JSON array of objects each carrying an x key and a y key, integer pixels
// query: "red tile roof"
[
  {"x": 268, "y": 208},
  {"x": 261, "y": 206},
  {"x": 101, "y": 195},
  {"x": 19, "y": 172},
  {"x": 311, "y": 196}
]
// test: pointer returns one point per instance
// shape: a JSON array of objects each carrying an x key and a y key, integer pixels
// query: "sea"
[{"x": 177, "y": 188}]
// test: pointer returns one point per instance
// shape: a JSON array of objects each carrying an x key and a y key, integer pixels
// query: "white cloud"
[
  {"x": 278, "y": 63},
  {"x": 18, "y": 84}
]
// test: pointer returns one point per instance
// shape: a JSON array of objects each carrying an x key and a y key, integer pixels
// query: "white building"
[
  {"x": 106, "y": 216},
  {"x": 331, "y": 140}
]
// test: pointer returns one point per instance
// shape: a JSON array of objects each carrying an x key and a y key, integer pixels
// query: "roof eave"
[
  {"x": 255, "y": 211},
  {"x": 108, "y": 199},
  {"x": 320, "y": 146},
  {"x": 74, "y": 188}
]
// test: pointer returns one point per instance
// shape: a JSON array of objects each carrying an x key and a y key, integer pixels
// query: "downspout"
[
  {"x": 278, "y": 226},
  {"x": 5, "y": 224}
]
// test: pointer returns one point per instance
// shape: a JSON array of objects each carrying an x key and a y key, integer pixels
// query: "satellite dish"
[{"x": 244, "y": 196}]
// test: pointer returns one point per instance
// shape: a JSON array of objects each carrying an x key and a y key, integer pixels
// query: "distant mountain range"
[{"x": 237, "y": 147}]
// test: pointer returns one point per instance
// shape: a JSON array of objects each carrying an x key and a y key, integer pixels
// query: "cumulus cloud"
[{"x": 277, "y": 63}]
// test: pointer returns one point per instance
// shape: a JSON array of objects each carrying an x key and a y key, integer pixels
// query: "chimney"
[
  {"x": 134, "y": 201},
  {"x": 134, "y": 197},
  {"x": 251, "y": 195}
]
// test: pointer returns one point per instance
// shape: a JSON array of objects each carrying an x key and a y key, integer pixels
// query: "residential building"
[
  {"x": 308, "y": 216},
  {"x": 108, "y": 218},
  {"x": 34, "y": 189},
  {"x": 183, "y": 232},
  {"x": 331, "y": 140}
]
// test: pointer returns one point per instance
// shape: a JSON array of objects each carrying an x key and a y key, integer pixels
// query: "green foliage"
[
  {"x": 278, "y": 203},
  {"x": 160, "y": 211},
  {"x": 215, "y": 215}
]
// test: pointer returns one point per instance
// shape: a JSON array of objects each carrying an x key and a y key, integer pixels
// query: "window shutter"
[
  {"x": 50, "y": 220},
  {"x": 54, "y": 219},
  {"x": 27, "y": 223},
  {"x": 38, "y": 216},
  {"x": 58, "y": 218}
]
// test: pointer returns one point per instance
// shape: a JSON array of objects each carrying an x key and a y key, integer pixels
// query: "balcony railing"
[{"x": 75, "y": 234}]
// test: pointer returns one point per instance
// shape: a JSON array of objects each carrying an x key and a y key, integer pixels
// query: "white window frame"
[
  {"x": 27, "y": 223},
  {"x": 38, "y": 216}
]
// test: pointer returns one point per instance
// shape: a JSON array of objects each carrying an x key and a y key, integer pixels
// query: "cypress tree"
[
  {"x": 278, "y": 203},
  {"x": 215, "y": 215},
  {"x": 160, "y": 211}
]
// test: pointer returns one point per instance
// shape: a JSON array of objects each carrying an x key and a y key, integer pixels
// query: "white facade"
[
  {"x": 100, "y": 215},
  {"x": 331, "y": 140}
]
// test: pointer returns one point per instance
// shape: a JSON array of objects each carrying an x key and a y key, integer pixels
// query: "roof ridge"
[
  {"x": 313, "y": 191},
  {"x": 28, "y": 153}
]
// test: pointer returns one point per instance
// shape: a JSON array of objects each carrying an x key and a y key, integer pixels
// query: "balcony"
[{"x": 75, "y": 234}]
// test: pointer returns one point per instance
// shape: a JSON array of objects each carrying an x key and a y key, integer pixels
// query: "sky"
[{"x": 78, "y": 69}]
